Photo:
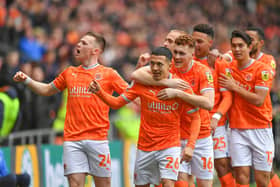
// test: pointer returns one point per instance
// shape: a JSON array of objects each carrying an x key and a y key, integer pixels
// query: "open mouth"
[
  {"x": 156, "y": 74},
  {"x": 178, "y": 63}
]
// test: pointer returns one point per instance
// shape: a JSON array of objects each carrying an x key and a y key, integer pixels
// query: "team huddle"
[{"x": 200, "y": 111}]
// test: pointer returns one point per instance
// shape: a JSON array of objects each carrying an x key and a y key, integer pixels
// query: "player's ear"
[
  {"x": 95, "y": 51},
  {"x": 169, "y": 65},
  {"x": 211, "y": 42},
  {"x": 262, "y": 42},
  {"x": 250, "y": 46}
]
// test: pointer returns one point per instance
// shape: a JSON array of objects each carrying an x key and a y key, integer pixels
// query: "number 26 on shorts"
[{"x": 172, "y": 163}]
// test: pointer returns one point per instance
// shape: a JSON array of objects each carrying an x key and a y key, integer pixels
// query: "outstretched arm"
[
  {"x": 113, "y": 102},
  {"x": 37, "y": 87}
]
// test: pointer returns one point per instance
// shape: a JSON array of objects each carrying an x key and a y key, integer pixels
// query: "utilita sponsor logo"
[
  {"x": 79, "y": 91},
  {"x": 162, "y": 107}
]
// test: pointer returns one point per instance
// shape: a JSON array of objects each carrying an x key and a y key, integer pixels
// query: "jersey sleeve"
[
  {"x": 119, "y": 85},
  {"x": 59, "y": 83},
  {"x": 206, "y": 79},
  {"x": 132, "y": 92},
  {"x": 264, "y": 78},
  {"x": 189, "y": 109}
]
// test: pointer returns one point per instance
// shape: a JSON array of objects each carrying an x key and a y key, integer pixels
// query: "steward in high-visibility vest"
[{"x": 9, "y": 110}]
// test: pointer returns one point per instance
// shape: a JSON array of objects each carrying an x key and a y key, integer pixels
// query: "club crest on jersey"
[
  {"x": 265, "y": 75},
  {"x": 209, "y": 76},
  {"x": 98, "y": 76},
  {"x": 273, "y": 64},
  {"x": 228, "y": 72},
  {"x": 248, "y": 77}
]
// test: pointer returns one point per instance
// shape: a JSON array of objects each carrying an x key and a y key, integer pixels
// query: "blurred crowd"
[{"x": 37, "y": 37}]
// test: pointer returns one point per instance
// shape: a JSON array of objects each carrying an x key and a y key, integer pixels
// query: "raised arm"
[
  {"x": 113, "y": 102},
  {"x": 37, "y": 87}
]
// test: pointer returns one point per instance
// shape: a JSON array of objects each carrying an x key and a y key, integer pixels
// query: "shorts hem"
[
  {"x": 204, "y": 178},
  {"x": 75, "y": 172},
  {"x": 262, "y": 169},
  {"x": 189, "y": 173},
  {"x": 222, "y": 156},
  {"x": 169, "y": 178},
  {"x": 99, "y": 175},
  {"x": 241, "y": 165}
]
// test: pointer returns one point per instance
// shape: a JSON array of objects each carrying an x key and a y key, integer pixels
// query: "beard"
[{"x": 254, "y": 50}]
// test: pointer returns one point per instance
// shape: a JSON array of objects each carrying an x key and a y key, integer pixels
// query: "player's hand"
[
  {"x": 167, "y": 93},
  {"x": 94, "y": 86},
  {"x": 213, "y": 125},
  {"x": 177, "y": 83},
  {"x": 187, "y": 154},
  {"x": 143, "y": 60},
  {"x": 212, "y": 56},
  {"x": 20, "y": 76},
  {"x": 227, "y": 82}
]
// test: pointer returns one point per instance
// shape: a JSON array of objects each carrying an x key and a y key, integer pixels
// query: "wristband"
[
  {"x": 217, "y": 116},
  {"x": 27, "y": 80}
]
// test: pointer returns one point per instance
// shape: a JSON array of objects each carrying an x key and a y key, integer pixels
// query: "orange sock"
[
  {"x": 275, "y": 181},
  {"x": 227, "y": 180},
  {"x": 242, "y": 185},
  {"x": 181, "y": 184}
]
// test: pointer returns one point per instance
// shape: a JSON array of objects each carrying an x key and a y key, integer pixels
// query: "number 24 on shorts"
[{"x": 105, "y": 160}]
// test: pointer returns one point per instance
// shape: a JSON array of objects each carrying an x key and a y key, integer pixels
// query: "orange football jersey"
[
  {"x": 200, "y": 79},
  {"x": 244, "y": 115},
  {"x": 160, "y": 119},
  {"x": 269, "y": 60},
  {"x": 86, "y": 115},
  {"x": 221, "y": 66}
]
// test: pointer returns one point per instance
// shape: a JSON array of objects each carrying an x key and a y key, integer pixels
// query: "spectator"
[{"x": 11, "y": 179}]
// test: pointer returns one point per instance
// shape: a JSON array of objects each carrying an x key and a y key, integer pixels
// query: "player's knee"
[
  {"x": 102, "y": 181},
  {"x": 222, "y": 167},
  {"x": 167, "y": 183},
  {"x": 242, "y": 177},
  {"x": 242, "y": 174},
  {"x": 262, "y": 179},
  {"x": 75, "y": 181}
]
